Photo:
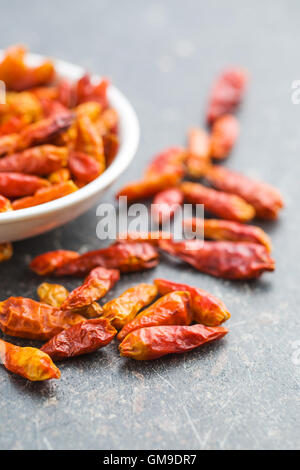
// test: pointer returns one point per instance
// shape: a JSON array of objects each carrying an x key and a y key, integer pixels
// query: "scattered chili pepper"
[
  {"x": 266, "y": 200},
  {"x": 127, "y": 257},
  {"x": 52, "y": 294},
  {"x": 165, "y": 204},
  {"x": 227, "y": 206},
  {"x": 229, "y": 260},
  {"x": 168, "y": 161},
  {"x": 157, "y": 341},
  {"x": 18, "y": 184},
  {"x": 39, "y": 161},
  {"x": 17, "y": 75},
  {"x": 80, "y": 339},
  {"x": 124, "y": 308},
  {"x": 5, "y": 204},
  {"x": 207, "y": 309},
  {"x": 150, "y": 237},
  {"x": 45, "y": 195},
  {"x": 6, "y": 251},
  {"x": 47, "y": 262},
  {"x": 216, "y": 229},
  {"x": 171, "y": 309},
  {"x": 95, "y": 286},
  {"x": 227, "y": 93},
  {"x": 83, "y": 167},
  {"x": 147, "y": 188},
  {"x": 225, "y": 131},
  {"x": 198, "y": 152},
  {"x": 30, "y": 363},
  {"x": 26, "y": 318}
]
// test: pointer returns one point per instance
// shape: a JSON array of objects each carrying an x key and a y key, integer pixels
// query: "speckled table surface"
[{"x": 244, "y": 391}]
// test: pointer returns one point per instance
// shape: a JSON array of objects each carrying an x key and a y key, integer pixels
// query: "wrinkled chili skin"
[
  {"x": 5, "y": 204},
  {"x": 30, "y": 363},
  {"x": 80, "y": 339},
  {"x": 227, "y": 93},
  {"x": 165, "y": 204},
  {"x": 224, "y": 134},
  {"x": 127, "y": 257},
  {"x": 47, "y": 262},
  {"x": 95, "y": 286},
  {"x": 266, "y": 200},
  {"x": 216, "y": 229},
  {"x": 52, "y": 294},
  {"x": 198, "y": 152},
  {"x": 207, "y": 309},
  {"x": 171, "y": 309},
  {"x": 228, "y": 260},
  {"x": 157, "y": 341},
  {"x": 222, "y": 204},
  {"x": 124, "y": 308},
  {"x": 39, "y": 161},
  {"x": 43, "y": 195},
  {"x": 26, "y": 318},
  {"x": 18, "y": 184}
]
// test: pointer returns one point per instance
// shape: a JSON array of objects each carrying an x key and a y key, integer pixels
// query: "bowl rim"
[{"x": 129, "y": 132}]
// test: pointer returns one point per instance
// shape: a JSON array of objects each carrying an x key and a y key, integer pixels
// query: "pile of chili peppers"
[
  {"x": 149, "y": 320},
  {"x": 55, "y": 136}
]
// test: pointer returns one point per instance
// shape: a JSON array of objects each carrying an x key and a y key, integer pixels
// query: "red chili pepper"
[
  {"x": 198, "y": 152},
  {"x": 216, "y": 229},
  {"x": 207, "y": 309},
  {"x": 266, "y": 200},
  {"x": 39, "y": 161},
  {"x": 5, "y": 204},
  {"x": 157, "y": 341},
  {"x": 84, "y": 338},
  {"x": 45, "y": 195},
  {"x": 229, "y": 260},
  {"x": 165, "y": 204},
  {"x": 222, "y": 204},
  {"x": 150, "y": 237},
  {"x": 47, "y": 262},
  {"x": 225, "y": 131},
  {"x": 127, "y": 257},
  {"x": 18, "y": 184},
  {"x": 167, "y": 161},
  {"x": 30, "y": 363},
  {"x": 171, "y": 309},
  {"x": 95, "y": 286},
  {"x": 227, "y": 93},
  {"x": 83, "y": 167}
]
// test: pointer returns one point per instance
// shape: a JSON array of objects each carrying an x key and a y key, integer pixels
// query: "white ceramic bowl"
[{"x": 25, "y": 223}]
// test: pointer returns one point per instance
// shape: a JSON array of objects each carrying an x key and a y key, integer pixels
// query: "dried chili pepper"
[
  {"x": 86, "y": 90},
  {"x": 18, "y": 184},
  {"x": 150, "y": 237},
  {"x": 227, "y": 92},
  {"x": 171, "y": 309},
  {"x": 9, "y": 143},
  {"x": 165, "y": 204},
  {"x": 18, "y": 76},
  {"x": 227, "y": 206},
  {"x": 107, "y": 121},
  {"x": 47, "y": 262},
  {"x": 11, "y": 125},
  {"x": 207, "y": 309},
  {"x": 95, "y": 286},
  {"x": 26, "y": 318},
  {"x": 6, "y": 251},
  {"x": 166, "y": 162},
  {"x": 157, "y": 341},
  {"x": 80, "y": 339},
  {"x": 225, "y": 131},
  {"x": 45, "y": 195},
  {"x": 91, "y": 109},
  {"x": 124, "y": 308},
  {"x": 5, "y": 204},
  {"x": 111, "y": 147},
  {"x": 127, "y": 257},
  {"x": 229, "y": 260},
  {"x": 266, "y": 200},
  {"x": 60, "y": 176},
  {"x": 83, "y": 167},
  {"x": 25, "y": 107},
  {"x": 30, "y": 363},
  {"x": 52, "y": 294},
  {"x": 89, "y": 141},
  {"x": 216, "y": 229},
  {"x": 39, "y": 161},
  {"x": 148, "y": 187},
  {"x": 198, "y": 152}
]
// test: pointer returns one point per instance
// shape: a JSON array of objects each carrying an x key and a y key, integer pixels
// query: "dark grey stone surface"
[{"x": 244, "y": 391}]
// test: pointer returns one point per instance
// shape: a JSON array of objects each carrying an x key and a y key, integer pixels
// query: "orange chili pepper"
[
  {"x": 45, "y": 195},
  {"x": 171, "y": 309},
  {"x": 225, "y": 131},
  {"x": 30, "y": 363},
  {"x": 52, "y": 294},
  {"x": 157, "y": 341},
  {"x": 18, "y": 184},
  {"x": 5, "y": 204},
  {"x": 207, "y": 309},
  {"x": 6, "y": 251},
  {"x": 150, "y": 237},
  {"x": 47, "y": 262},
  {"x": 198, "y": 152}
]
